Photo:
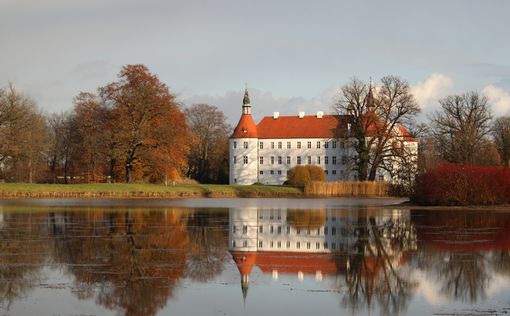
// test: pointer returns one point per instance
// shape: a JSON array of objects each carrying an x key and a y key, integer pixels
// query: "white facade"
[
  {"x": 243, "y": 166},
  {"x": 269, "y": 160}
]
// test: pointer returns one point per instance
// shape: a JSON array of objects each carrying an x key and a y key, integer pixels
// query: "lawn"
[{"x": 20, "y": 190}]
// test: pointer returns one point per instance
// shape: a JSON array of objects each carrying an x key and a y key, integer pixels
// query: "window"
[
  {"x": 344, "y": 160},
  {"x": 271, "y": 229},
  {"x": 279, "y": 172},
  {"x": 261, "y": 160},
  {"x": 333, "y": 144},
  {"x": 279, "y": 229},
  {"x": 261, "y": 229},
  {"x": 245, "y": 144},
  {"x": 298, "y": 231},
  {"x": 235, "y": 159},
  {"x": 298, "y": 160},
  {"x": 279, "y": 160},
  {"x": 326, "y": 172},
  {"x": 288, "y": 145},
  {"x": 261, "y": 145},
  {"x": 309, "y": 145},
  {"x": 288, "y": 230},
  {"x": 333, "y": 231},
  {"x": 260, "y": 243},
  {"x": 271, "y": 244},
  {"x": 325, "y": 230},
  {"x": 245, "y": 160},
  {"x": 298, "y": 245},
  {"x": 288, "y": 244},
  {"x": 333, "y": 245},
  {"x": 325, "y": 245},
  {"x": 342, "y": 145},
  {"x": 308, "y": 245},
  {"x": 326, "y": 160},
  {"x": 288, "y": 160},
  {"x": 279, "y": 145},
  {"x": 333, "y": 172},
  {"x": 245, "y": 229},
  {"x": 317, "y": 245},
  {"x": 326, "y": 144},
  {"x": 318, "y": 160},
  {"x": 271, "y": 172},
  {"x": 261, "y": 172},
  {"x": 235, "y": 145},
  {"x": 334, "y": 160},
  {"x": 234, "y": 228},
  {"x": 279, "y": 244},
  {"x": 319, "y": 144},
  {"x": 233, "y": 243},
  {"x": 309, "y": 160},
  {"x": 272, "y": 160},
  {"x": 299, "y": 145}
]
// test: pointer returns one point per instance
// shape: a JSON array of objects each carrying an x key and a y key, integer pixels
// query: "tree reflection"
[
  {"x": 22, "y": 253},
  {"x": 462, "y": 249},
  {"x": 134, "y": 258},
  {"x": 208, "y": 250},
  {"x": 373, "y": 272}
]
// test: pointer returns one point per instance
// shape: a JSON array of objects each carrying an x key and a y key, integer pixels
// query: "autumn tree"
[
  {"x": 501, "y": 134},
  {"x": 375, "y": 121},
  {"x": 149, "y": 125},
  {"x": 461, "y": 128},
  {"x": 208, "y": 157}
]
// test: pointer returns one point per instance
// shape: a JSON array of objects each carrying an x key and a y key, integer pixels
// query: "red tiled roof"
[
  {"x": 406, "y": 135},
  {"x": 246, "y": 128},
  {"x": 289, "y": 262},
  {"x": 307, "y": 127},
  {"x": 329, "y": 126},
  {"x": 245, "y": 260}
]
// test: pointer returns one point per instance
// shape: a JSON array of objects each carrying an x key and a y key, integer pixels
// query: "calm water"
[{"x": 249, "y": 257}]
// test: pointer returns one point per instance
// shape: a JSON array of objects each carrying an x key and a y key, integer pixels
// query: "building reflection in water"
[{"x": 365, "y": 248}]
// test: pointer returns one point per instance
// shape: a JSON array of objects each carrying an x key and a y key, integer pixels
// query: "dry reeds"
[{"x": 347, "y": 188}]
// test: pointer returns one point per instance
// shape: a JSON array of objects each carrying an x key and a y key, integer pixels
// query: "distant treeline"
[{"x": 132, "y": 129}]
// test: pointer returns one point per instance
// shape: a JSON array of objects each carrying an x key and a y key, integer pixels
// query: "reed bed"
[{"x": 347, "y": 188}]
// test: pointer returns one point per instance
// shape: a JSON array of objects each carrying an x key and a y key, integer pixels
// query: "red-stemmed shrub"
[{"x": 454, "y": 184}]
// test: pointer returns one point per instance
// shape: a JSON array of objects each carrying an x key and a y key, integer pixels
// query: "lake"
[{"x": 251, "y": 257}]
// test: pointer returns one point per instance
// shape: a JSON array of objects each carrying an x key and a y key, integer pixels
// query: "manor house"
[{"x": 265, "y": 152}]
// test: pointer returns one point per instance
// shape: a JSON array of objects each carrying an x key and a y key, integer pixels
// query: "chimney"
[
  {"x": 301, "y": 115},
  {"x": 320, "y": 114},
  {"x": 276, "y": 115}
]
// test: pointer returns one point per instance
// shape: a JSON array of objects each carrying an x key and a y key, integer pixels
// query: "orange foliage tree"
[{"x": 149, "y": 126}]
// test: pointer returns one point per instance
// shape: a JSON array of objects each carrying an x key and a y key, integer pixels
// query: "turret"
[{"x": 243, "y": 147}]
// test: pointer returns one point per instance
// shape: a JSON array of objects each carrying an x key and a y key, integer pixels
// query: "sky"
[{"x": 293, "y": 54}]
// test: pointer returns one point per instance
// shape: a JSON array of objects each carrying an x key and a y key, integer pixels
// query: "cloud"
[
  {"x": 429, "y": 91},
  {"x": 499, "y": 98},
  {"x": 264, "y": 103}
]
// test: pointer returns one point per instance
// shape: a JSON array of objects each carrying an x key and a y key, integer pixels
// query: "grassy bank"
[{"x": 139, "y": 190}]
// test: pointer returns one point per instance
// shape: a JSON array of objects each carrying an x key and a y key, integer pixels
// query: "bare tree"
[
  {"x": 376, "y": 121},
  {"x": 64, "y": 141},
  {"x": 461, "y": 127},
  {"x": 209, "y": 132},
  {"x": 501, "y": 134},
  {"x": 22, "y": 135}
]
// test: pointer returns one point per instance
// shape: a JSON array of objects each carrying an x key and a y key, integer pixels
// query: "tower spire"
[
  {"x": 370, "y": 96},
  {"x": 246, "y": 101}
]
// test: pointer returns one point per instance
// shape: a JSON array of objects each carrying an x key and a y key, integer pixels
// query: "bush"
[
  {"x": 301, "y": 175},
  {"x": 453, "y": 184}
]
